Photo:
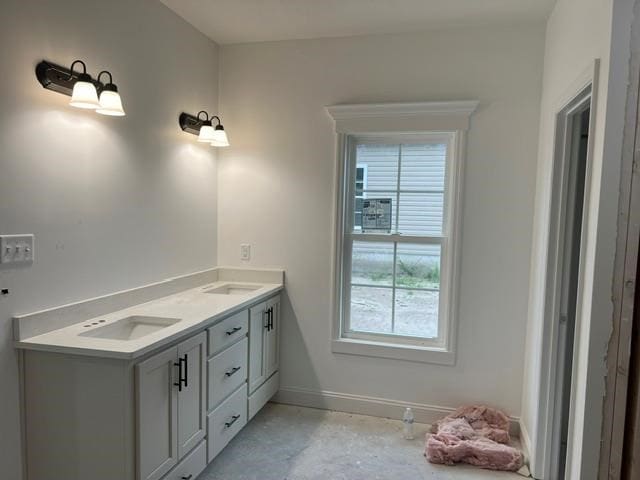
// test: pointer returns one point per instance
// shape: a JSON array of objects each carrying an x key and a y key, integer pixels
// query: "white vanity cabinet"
[
  {"x": 170, "y": 406},
  {"x": 161, "y": 416}
]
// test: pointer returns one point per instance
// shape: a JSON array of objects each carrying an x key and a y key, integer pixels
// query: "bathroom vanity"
[{"x": 152, "y": 391}]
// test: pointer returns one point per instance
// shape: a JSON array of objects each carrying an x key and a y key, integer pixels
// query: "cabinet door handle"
[
  {"x": 233, "y": 330},
  {"x": 232, "y": 371},
  {"x": 233, "y": 420},
  {"x": 186, "y": 477},
  {"x": 269, "y": 325},
  {"x": 179, "y": 382},
  {"x": 186, "y": 369},
  {"x": 271, "y": 318},
  {"x": 266, "y": 312}
]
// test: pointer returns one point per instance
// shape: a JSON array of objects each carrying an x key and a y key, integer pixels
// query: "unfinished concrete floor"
[{"x": 295, "y": 443}]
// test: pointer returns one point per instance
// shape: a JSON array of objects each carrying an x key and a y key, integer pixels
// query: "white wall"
[
  {"x": 113, "y": 202},
  {"x": 276, "y": 192},
  {"x": 578, "y": 32}
]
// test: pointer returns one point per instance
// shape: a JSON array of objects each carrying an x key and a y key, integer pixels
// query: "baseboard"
[
  {"x": 364, "y": 405},
  {"x": 525, "y": 443}
]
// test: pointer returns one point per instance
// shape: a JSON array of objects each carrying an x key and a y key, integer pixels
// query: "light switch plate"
[
  {"x": 16, "y": 249},
  {"x": 245, "y": 252}
]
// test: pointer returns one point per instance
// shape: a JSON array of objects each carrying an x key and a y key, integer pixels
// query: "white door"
[
  {"x": 192, "y": 393},
  {"x": 271, "y": 343},
  {"x": 257, "y": 331},
  {"x": 157, "y": 415}
]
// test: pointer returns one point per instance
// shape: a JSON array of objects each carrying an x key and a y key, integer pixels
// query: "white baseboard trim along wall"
[
  {"x": 364, "y": 405},
  {"x": 525, "y": 442}
]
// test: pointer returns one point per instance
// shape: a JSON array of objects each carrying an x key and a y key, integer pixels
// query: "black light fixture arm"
[
  {"x": 108, "y": 73},
  {"x": 111, "y": 87},
  {"x": 219, "y": 125},
  {"x": 84, "y": 68}
]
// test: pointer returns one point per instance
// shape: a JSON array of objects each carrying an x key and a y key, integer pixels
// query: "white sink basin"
[
  {"x": 129, "y": 328},
  {"x": 233, "y": 289}
]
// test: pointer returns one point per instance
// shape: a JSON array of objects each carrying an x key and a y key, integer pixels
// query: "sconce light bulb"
[
  {"x": 84, "y": 94},
  {"x": 110, "y": 103},
  {"x": 206, "y": 133},
  {"x": 220, "y": 137}
]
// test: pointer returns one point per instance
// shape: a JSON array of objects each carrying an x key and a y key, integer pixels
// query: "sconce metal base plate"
[
  {"x": 59, "y": 79},
  {"x": 190, "y": 123}
]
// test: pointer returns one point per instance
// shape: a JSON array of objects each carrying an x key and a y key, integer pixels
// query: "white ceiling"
[{"x": 241, "y": 21}]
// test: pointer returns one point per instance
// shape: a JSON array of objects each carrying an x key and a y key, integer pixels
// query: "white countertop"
[{"x": 195, "y": 309}]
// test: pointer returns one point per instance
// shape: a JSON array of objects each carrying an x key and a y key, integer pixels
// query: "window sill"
[{"x": 410, "y": 353}]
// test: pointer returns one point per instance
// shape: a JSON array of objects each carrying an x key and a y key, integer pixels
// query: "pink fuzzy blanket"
[{"x": 476, "y": 435}]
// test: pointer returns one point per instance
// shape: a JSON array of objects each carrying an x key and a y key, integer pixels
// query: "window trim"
[{"x": 383, "y": 121}]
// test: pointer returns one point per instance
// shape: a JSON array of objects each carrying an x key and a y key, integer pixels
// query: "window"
[
  {"x": 397, "y": 228},
  {"x": 393, "y": 259}
]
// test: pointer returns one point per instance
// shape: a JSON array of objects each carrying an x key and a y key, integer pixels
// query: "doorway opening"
[{"x": 563, "y": 294}]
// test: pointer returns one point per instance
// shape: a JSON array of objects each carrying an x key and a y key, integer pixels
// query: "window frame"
[
  {"x": 444, "y": 240},
  {"x": 410, "y": 119}
]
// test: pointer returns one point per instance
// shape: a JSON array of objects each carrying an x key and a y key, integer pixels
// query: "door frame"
[
  {"x": 625, "y": 278},
  {"x": 582, "y": 94}
]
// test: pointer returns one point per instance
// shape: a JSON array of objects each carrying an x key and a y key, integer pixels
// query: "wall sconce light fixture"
[
  {"x": 82, "y": 89},
  {"x": 204, "y": 129}
]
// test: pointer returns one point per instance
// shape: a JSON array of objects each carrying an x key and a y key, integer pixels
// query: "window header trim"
[{"x": 402, "y": 117}]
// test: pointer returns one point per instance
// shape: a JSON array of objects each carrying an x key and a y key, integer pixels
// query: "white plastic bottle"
[{"x": 408, "y": 419}]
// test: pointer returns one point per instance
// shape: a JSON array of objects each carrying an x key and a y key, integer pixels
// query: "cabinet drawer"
[
  {"x": 227, "y": 371},
  {"x": 191, "y": 466},
  {"x": 226, "y": 421},
  {"x": 228, "y": 331},
  {"x": 263, "y": 394}
]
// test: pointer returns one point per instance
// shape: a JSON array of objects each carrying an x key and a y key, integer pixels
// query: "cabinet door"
[
  {"x": 257, "y": 331},
  {"x": 157, "y": 415},
  {"x": 272, "y": 336},
  {"x": 192, "y": 398}
]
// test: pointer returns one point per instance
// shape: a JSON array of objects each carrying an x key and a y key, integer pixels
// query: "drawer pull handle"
[
  {"x": 234, "y": 419},
  {"x": 233, "y": 330},
  {"x": 232, "y": 371},
  {"x": 187, "y": 477}
]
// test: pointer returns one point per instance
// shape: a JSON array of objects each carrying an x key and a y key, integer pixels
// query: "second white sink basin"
[
  {"x": 130, "y": 328},
  {"x": 233, "y": 289}
]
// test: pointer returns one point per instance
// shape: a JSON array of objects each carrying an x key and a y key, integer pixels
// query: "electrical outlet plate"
[
  {"x": 16, "y": 249},
  {"x": 245, "y": 252}
]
